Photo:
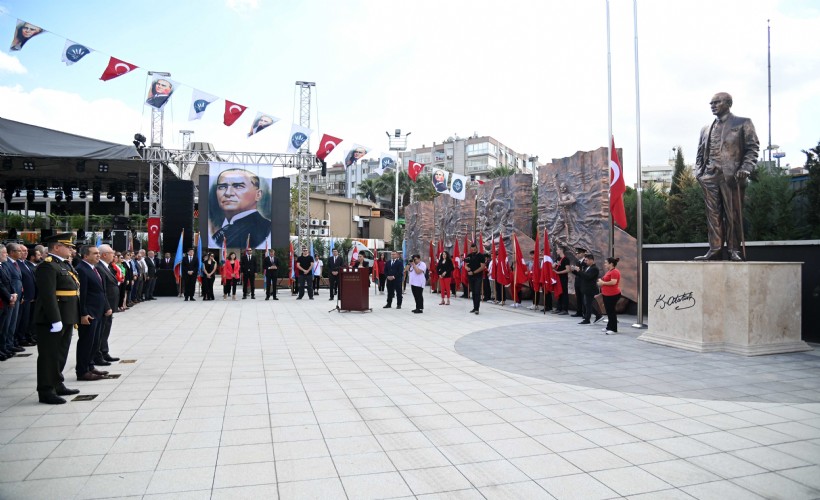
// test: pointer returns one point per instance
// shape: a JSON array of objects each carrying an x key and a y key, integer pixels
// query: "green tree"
[
  {"x": 768, "y": 212},
  {"x": 655, "y": 216},
  {"x": 423, "y": 189},
  {"x": 686, "y": 210},
  {"x": 368, "y": 189},
  {"x": 810, "y": 195},
  {"x": 501, "y": 171},
  {"x": 680, "y": 168}
]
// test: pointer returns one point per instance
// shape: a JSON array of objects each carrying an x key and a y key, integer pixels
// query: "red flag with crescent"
[
  {"x": 326, "y": 145},
  {"x": 414, "y": 169},
  {"x": 232, "y": 112},
  {"x": 617, "y": 188},
  {"x": 153, "y": 233},
  {"x": 504, "y": 275},
  {"x": 536, "y": 266},
  {"x": 115, "y": 68},
  {"x": 457, "y": 260}
]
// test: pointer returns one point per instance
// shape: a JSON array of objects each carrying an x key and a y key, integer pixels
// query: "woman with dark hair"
[
  {"x": 230, "y": 276},
  {"x": 444, "y": 268},
  {"x": 208, "y": 276},
  {"x": 23, "y": 33},
  {"x": 378, "y": 273},
  {"x": 610, "y": 289}
]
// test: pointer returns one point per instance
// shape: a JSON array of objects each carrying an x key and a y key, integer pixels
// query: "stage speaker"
[
  {"x": 120, "y": 222},
  {"x": 45, "y": 233},
  {"x": 177, "y": 215},
  {"x": 119, "y": 240},
  {"x": 280, "y": 204}
]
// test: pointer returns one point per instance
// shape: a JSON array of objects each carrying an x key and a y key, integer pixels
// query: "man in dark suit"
[
  {"x": 271, "y": 266},
  {"x": 21, "y": 334},
  {"x": 93, "y": 306},
  {"x": 56, "y": 312},
  {"x": 7, "y": 299},
  {"x": 334, "y": 267},
  {"x": 247, "y": 266},
  {"x": 150, "y": 275},
  {"x": 237, "y": 193},
  {"x": 394, "y": 270},
  {"x": 589, "y": 287},
  {"x": 112, "y": 295},
  {"x": 16, "y": 277},
  {"x": 727, "y": 154},
  {"x": 166, "y": 262},
  {"x": 188, "y": 271}
]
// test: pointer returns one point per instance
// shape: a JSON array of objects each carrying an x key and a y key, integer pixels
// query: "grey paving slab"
[{"x": 283, "y": 400}]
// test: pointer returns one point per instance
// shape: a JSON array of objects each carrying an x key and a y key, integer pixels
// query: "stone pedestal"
[{"x": 748, "y": 308}]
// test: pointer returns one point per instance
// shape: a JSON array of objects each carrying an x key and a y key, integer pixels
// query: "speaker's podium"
[{"x": 353, "y": 289}]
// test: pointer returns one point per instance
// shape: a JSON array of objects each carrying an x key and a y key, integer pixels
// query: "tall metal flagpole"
[
  {"x": 639, "y": 323},
  {"x": 611, "y": 240},
  {"x": 769, "y": 62}
]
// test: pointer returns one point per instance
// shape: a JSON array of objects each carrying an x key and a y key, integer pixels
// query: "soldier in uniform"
[{"x": 56, "y": 312}]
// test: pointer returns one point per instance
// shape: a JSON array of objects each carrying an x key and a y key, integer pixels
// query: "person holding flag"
[
  {"x": 520, "y": 276},
  {"x": 177, "y": 259},
  {"x": 562, "y": 270}
]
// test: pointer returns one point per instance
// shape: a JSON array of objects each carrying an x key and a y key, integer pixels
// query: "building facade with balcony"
[{"x": 473, "y": 156}]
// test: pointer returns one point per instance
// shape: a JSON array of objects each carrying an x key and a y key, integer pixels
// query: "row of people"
[{"x": 83, "y": 295}]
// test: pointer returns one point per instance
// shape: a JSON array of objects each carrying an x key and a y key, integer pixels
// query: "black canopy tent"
[{"x": 41, "y": 160}]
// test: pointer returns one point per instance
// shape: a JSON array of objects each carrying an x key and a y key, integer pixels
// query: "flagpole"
[
  {"x": 639, "y": 323},
  {"x": 611, "y": 240}
]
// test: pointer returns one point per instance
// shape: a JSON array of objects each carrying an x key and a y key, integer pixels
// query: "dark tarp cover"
[{"x": 21, "y": 139}]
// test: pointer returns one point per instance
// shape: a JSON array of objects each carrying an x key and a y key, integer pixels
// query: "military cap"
[{"x": 66, "y": 239}]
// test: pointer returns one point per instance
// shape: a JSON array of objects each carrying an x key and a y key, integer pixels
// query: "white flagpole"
[
  {"x": 611, "y": 238},
  {"x": 639, "y": 323}
]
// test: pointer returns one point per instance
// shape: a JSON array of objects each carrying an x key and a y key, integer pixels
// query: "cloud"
[
  {"x": 9, "y": 64},
  {"x": 106, "y": 119},
  {"x": 242, "y": 5}
]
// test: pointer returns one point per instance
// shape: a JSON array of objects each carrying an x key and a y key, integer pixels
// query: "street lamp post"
[{"x": 397, "y": 143}]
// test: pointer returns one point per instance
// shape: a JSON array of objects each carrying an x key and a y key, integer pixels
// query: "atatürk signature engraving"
[{"x": 680, "y": 301}]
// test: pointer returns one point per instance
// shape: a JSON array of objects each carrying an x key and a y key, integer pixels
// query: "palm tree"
[
  {"x": 368, "y": 189},
  {"x": 501, "y": 171}
]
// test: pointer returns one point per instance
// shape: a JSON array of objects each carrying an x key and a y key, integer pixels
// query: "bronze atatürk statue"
[{"x": 727, "y": 154}]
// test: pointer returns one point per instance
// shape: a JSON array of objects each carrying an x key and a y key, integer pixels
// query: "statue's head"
[{"x": 721, "y": 103}]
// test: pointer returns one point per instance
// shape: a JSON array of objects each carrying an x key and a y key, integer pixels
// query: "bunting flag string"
[
  {"x": 326, "y": 145},
  {"x": 199, "y": 103},
  {"x": 116, "y": 67},
  {"x": 232, "y": 112},
  {"x": 162, "y": 88},
  {"x": 73, "y": 52},
  {"x": 23, "y": 32},
  {"x": 298, "y": 136}
]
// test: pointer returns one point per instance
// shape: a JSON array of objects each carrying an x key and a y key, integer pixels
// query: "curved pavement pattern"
[{"x": 590, "y": 359}]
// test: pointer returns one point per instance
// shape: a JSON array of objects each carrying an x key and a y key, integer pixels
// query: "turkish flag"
[
  {"x": 617, "y": 188},
  {"x": 536, "y": 266},
  {"x": 326, "y": 145},
  {"x": 153, "y": 233},
  {"x": 521, "y": 275},
  {"x": 503, "y": 266},
  {"x": 116, "y": 67},
  {"x": 232, "y": 112},
  {"x": 414, "y": 169}
]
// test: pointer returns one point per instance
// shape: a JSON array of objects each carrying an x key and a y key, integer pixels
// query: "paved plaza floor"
[{"x": 261, "y": 399}]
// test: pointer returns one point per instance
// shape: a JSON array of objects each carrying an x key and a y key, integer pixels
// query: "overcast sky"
[{"x": 532, "y": 74}]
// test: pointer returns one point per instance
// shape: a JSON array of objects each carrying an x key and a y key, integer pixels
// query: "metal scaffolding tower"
[
  {"x": 304, "y": 163},
  {"x": 155, "y": 176}
]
